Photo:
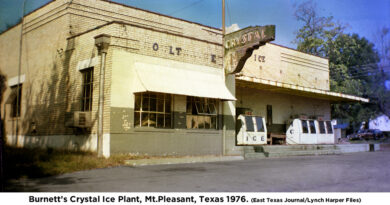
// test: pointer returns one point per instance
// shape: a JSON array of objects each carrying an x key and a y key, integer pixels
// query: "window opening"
[
  {"x": 152, "y": 110},
  {"x": 86, "y": 97},
  {"x": 201, "y": 113}
]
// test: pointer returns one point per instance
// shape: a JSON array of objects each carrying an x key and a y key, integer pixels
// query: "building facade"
[
  {"x": 280, "y": 83},
  {"x": 165, "y": 89}
]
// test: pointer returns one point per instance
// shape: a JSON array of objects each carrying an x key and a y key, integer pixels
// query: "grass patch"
[{"x": 35, "y": 163}]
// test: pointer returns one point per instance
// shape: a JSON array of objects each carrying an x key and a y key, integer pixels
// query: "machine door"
[
  {"x": 293, "y": 133},
  {"x": 309, "y": 133},
  {"x": 253, "y": 131}
]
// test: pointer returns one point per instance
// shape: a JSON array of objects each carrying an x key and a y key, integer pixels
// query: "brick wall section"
[
  {"x": 136, "y": 40},
  {"x": 141, "y": 40},
  {"x": 289, "y": 66},
  {"x": 53, "y": 85},
  {"x": 43, "y": 99},
  {"x": 109, "y": 11}
]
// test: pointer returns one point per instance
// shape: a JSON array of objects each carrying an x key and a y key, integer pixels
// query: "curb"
[{"x": 181, "y": 160}]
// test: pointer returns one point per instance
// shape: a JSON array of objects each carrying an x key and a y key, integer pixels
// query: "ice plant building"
[{"x": 163, "y": 89}]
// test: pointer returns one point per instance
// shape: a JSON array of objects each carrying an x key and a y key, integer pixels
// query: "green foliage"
[
  {"x": 316, "y": 30},
  {"x": 353, "y": 63}
]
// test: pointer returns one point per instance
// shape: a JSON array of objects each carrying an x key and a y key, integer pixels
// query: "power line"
[{"x": 190, "y": 5}]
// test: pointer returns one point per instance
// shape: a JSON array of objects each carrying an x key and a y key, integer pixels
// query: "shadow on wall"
[{"x": 46, "y": 102}]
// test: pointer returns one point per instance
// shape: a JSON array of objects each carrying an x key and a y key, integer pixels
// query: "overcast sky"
[{"x": 364, "y": 17}]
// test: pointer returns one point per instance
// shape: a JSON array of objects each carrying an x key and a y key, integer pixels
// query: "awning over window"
[
  {"x": 269, "y": 85},
  {"x": 198, "y": 81}
]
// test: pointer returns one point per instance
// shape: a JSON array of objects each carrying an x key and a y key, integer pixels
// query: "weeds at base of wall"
[{"x": 36, "y": 163}]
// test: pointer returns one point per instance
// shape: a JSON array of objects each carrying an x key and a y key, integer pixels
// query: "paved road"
[{"x": 358, "y": 172}]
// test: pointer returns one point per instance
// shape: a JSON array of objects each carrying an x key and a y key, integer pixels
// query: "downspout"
[
  {"x": 18, "y": 104},
  {"x": 102, "y": 43}
]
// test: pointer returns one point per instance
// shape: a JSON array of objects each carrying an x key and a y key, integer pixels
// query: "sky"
[{"x": 364, "y": 17}]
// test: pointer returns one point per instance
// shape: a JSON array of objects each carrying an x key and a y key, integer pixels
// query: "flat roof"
[
  {"x": 285, "y": 88},
  {"x": 124, "y": 5}
]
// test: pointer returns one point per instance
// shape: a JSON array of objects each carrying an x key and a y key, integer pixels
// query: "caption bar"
[{"x": 196, "y": 198}]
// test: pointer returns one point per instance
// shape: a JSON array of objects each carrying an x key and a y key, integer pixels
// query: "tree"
[
  {"x": 383, "y": 46},
  {"x": 353, "y": 62},
  {"x": 316, "y": 30}
]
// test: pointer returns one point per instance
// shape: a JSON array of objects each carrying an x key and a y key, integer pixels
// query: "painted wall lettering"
[
  {"x": 178, "y": 49},
  {"x": 213, "y": 60},
  {"x": 170, "y": 50},
  {"x": 155, "y": 47},
  {"x": 260, "y": 59}
]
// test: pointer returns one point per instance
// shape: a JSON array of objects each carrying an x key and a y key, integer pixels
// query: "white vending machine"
[{"x": 252, "y": 130}]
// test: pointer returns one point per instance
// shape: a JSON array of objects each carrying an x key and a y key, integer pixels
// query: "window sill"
[
  {"x": 210, "y": 131},
  {"x": 172, "y": 130},
  {"x": 153, "y": 129}
]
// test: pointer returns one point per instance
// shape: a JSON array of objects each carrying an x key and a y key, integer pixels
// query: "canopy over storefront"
[
  {"x": 279, "y": 87},
  {"x": 198, "y": 81}
]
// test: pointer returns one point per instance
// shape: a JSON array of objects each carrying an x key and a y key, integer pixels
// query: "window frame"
[
  {"x": 148, "y": 112},
  {"x": 322, "y": 129},
  {"x": 86, "y": 101},
  {"x": 305, "y": 127},
  {"x": 249, "y": 124},
  {"x": 16, "y": 104},
  {"x": 329, "y": 125},
  {"x": 201, "y": 113},
  {"x": 262, "y": 128}
]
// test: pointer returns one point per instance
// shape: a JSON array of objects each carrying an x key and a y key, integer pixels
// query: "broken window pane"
[
  {"x": 160, "y": 120},
  {"x": 145, "y": 119},
  {"x": 137, "y": 119}
]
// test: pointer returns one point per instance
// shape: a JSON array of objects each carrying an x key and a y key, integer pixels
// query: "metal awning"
[
  {"x": 269, "y": 85},
  {"x": 198, "y": 81}
]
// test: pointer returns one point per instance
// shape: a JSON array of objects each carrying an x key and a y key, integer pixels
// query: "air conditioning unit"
[{"x": 78, "y": 119}]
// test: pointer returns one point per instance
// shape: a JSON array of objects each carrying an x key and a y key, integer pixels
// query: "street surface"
[{"x": 357, "y": 172}]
